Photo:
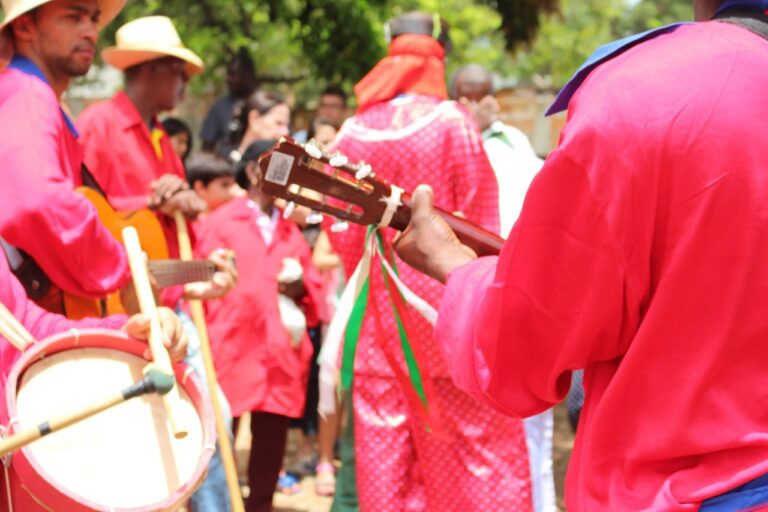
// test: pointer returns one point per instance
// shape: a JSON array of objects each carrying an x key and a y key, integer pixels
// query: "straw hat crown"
[
  {"x": 149, "y": 38},
  {"x": 15, "y": 8}
]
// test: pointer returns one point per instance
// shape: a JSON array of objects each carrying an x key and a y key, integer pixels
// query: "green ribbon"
[{"x": 357, "y": 317}]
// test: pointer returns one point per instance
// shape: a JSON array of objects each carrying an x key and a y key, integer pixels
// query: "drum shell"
[{"x": 32, "y": 489}]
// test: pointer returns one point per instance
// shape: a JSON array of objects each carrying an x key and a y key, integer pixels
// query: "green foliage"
[
  {"x": 566, "y": 38},
  {"x": 305, "y": 44}
]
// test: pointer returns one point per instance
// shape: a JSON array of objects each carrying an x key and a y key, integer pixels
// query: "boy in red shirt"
[{"x": 260, "y": 344}]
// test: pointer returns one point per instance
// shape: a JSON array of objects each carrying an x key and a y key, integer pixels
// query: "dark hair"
[
  {"x": 206, "y": 167},
  {"x": 251, "y": 154},
  {"x": 418, "y": 22},
  {"x": 260, "y": 101},
  {"x": 243, "y": 60},
  {"x": 174, "y": 126},
  {"x": 335, "y": 90}
]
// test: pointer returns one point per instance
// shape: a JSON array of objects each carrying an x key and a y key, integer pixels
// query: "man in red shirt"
[
  {"x": 640, "y": 256},
  {"x": 53, "y": 42},
  {"x": 134, "y": 163},
  {"x": 125, "y": 145}
]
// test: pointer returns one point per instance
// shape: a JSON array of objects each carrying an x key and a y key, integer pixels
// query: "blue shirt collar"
[
  {"x": 730, "y": 4},
  {"x": 26, "y": 66}
]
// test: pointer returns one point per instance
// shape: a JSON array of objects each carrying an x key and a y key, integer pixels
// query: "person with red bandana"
[
  {"x": 639, "y": 255},
  {"x": 409, "y": 132},
  {"x": 52, "y": 42}
]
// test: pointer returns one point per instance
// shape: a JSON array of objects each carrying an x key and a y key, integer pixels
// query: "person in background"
[
  {"x": 259, "y": 331},
  {"x": 332, "y": 107},
  {"x": 241, "y": 82},
  {"x": 323, "y": 131},
  {"x": 263, "y": 116},
  {"x": 639, "y": 256},
  {"x": 409, "y": 132},
  {"x": 515, "y": 165},
  {"x": 512, "y": 157},
  {"x": 180, "y": 135}
]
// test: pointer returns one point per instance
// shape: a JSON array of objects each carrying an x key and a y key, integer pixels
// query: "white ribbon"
[
  {"x": 328, "y": 360},
  {"x": 393, "y": 203}
]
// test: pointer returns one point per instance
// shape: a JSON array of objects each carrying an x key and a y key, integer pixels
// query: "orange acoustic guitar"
[
  {"x": 290, "y": 168},
  {"x": 165, "y": 272}
]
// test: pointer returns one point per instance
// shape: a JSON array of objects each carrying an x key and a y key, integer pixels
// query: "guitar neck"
[{"x": 175, "y": 272}]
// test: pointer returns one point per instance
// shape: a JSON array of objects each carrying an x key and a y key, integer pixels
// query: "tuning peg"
[
  {"x": 312, "y": 149},
  {"x": 339, "y": 226},
  {"x": 289, "y": 209},
  {"x": 363, "y": 171},
  {"x": 314, "y": 218},
  {"x": 338, "y": 160}
]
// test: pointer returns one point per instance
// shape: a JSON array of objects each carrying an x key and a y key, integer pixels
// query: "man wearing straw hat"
[
  {"x": 125, "y": 145},
  {"x": 52, "y": 42},
  {"x": 134, "y": 163}
]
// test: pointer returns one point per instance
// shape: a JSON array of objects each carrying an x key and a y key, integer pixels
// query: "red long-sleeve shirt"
[
  {"x": 40, "y": 213},
  {"x": 640, "y": 255}
]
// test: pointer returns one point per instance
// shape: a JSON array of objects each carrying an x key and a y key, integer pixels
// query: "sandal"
[
  {"x": 325, "y": 479},
  {"x": 288, "y": 483}
]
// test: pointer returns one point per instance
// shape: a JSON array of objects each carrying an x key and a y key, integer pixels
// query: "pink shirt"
[
  {"x": 256, "y": 362},
  {"x": 640, "y": 255},
  {"x": 40, "y": 213}
]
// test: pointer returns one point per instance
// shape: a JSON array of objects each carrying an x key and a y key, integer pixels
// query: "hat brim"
[
  {"x": 124, "y": 58},
  {"x": 109, "y": 11}
]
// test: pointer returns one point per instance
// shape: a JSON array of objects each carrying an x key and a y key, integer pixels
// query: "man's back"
[
  {"x": 411, "y": 140},
  {"x": 640, "y": 256}
]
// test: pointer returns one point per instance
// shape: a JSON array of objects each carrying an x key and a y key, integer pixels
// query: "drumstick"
[
  {"x": 198, "y": 316},
  {"x": 13, "y": 330},
  {"x": 154, "y": 381},
  {"x": 161, "y": 359}
]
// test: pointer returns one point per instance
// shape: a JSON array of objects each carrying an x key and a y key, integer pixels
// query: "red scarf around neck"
[{"x": 414, "y": 65}]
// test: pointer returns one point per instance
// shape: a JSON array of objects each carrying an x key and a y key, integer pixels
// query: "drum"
[{"x": 122, "y": 459}]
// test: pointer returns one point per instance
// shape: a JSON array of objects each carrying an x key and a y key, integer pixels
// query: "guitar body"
[{"x": 152, "y": 242}]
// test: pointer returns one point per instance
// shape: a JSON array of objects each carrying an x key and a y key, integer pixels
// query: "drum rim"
[{"x": 85, "y": 339}]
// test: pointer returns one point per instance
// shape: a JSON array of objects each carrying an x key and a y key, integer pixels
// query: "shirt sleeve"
[
  {"x": 514, "y": 328},
  {"x": 42, "y": 215}
]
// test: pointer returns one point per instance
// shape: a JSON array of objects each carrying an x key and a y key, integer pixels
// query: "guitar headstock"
[{"x": 290, "y": 169}]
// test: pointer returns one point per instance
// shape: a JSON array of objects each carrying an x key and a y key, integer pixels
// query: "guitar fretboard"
[{"x": 175, "y": 272}]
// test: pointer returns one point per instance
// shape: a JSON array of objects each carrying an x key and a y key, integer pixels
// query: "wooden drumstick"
[
  {"x": 160, "y": 357},
  {"x": 13, "y": 330},
  {"x": 222, "y": 432},
  {"x": 154, "y": 382}
]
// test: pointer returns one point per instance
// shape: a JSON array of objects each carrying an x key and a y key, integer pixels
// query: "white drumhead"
[{"x": 124, "y": 457}]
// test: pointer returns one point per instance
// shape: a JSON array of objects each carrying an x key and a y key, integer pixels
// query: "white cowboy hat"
[
  {"x": 15, "y": 8},
  {"x": 149, "y": 38}
]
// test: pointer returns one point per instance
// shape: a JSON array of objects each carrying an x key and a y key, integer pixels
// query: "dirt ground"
[{"x": 308, "y": 501}]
